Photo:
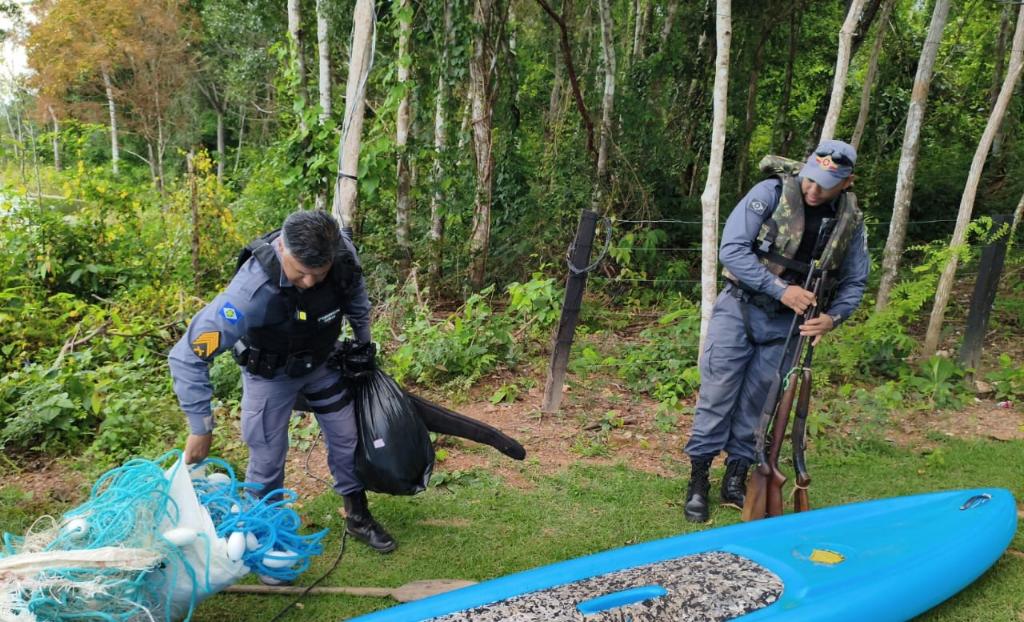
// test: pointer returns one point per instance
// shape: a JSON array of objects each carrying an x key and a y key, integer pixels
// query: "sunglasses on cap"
[{"x": 837, "y": 157}]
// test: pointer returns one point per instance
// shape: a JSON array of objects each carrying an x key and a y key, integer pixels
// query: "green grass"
[{"x": 481, "y": 528}]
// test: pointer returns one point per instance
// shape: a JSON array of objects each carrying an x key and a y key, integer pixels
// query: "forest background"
[{"x": 460, "y": 139}]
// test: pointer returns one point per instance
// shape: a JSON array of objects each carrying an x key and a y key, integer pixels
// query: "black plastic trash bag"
[{"x": 394, "y": 455}]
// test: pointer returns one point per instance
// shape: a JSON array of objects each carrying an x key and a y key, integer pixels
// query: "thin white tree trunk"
[
  {"x": 608, "y": 99},
  {"x": 220, "y": 146},
  {"x": 324, "y": 66},
  {"x": 931, "y": 338},
  {"x": 639, "y": 28},
  {"x": 869, "y": 78},
  {"x": 835, "y": 104},
  {"x": 908, "y": 158},
  {"x": 402, "y": 124},
  {"x": 480, "y": 88},
  {"x": 115, "y": 152},
  {"x": 709, "y": 198},
  {"x": 345, "y": 189},
  {"x": 241, "y": 132},
  {"x": 324, "y": 48},
  {"x": 666, "y": 28},
  {"x": 56, "y": 138},
  {"x": 437, "y": 215},
  {"x": 295, "y": 37}
]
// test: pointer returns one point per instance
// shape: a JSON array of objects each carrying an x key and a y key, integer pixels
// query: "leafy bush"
[
  {"x": 466, "y": 345},
  {"x": 940, "y": 381},
  {"x": 1008, "y": 380}
]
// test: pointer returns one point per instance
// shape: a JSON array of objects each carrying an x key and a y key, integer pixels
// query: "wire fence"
[{"x": 626, "y": 358}]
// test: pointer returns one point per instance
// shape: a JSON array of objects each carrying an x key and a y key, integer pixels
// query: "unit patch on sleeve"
[
  {"x": 206, "y": 344},
  {"x": 230, "y": 313},
  {"x": 757, "y": 206}
]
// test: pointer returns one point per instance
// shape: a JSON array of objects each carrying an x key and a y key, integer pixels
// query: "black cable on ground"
[{"x": 341, "y": 553}]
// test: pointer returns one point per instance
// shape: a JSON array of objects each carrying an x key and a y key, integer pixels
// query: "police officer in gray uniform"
[
  {"x": 766, "y": 250},
  {"x": 281, "y": 316}
]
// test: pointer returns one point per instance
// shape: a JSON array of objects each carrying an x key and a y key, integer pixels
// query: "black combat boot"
[
  {"x": 360, "y": 524},
  {"x": 696, "y": 510},
  {"x": 734, "y": 484}
]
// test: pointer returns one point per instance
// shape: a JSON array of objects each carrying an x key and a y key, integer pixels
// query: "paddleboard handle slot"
[
  {"x": 976, "y": 501},
  {"x": 621, "y": 599}
]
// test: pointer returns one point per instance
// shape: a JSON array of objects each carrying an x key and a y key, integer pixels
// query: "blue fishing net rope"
[{"x": 126, "y": 508}]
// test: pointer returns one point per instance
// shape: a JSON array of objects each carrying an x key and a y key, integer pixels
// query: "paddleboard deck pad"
[
  {"x": 705, "y": 587},
  {"x": 880, "y": 560}
]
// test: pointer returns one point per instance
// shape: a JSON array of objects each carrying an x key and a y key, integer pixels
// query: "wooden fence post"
[
  {"x": 574, "y": 287},
  {"x": 989, "y": 271}
]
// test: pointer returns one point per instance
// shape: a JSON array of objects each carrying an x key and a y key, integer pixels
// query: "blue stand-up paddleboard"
[{"x": 880, "y": 560}]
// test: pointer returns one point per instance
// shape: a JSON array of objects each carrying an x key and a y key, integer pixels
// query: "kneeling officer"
[{"x": 281, "y": 316}]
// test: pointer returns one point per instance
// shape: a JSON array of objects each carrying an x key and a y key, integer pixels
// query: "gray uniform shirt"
[
  {"x": 246, "y": 303},
  {"x": 737, "y": 251}
]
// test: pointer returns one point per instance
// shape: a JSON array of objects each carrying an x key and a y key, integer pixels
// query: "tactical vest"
[
  {"x": 313, "y": 317},
  {"x": 780, "y": 235}
]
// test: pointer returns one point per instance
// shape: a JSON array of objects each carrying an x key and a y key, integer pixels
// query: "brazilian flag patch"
[{"x": 206, "y": 344}]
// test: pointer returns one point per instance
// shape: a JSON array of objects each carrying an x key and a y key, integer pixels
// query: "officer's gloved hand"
[{"x": 356, "y": 361}]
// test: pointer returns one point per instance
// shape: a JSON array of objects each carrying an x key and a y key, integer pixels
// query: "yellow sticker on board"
[
  {"x": 206, "y": 344},
  {"x": 301, "y": 315},
  {"x": 831, "y": 558}
]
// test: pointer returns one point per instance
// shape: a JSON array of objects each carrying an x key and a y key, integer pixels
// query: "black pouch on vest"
[
  {"x": 299, "y": 364},
  {"x": 240, "y": 352}
]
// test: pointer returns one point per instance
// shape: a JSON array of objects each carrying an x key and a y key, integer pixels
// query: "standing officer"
[
  {"x": 281, "y": 316},
  {"x": 766, "y": 251}
]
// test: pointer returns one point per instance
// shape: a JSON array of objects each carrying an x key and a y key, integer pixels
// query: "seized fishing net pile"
[{"x": 150, "y": 543}]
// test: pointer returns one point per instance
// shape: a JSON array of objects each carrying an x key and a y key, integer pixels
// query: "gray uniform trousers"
[
  {"x": 736, "y": 373},
  {"x": 267, "y": 406}
]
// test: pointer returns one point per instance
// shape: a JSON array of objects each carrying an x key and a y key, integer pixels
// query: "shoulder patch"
[
  {"x": 231, "y": 313},
  {"x": 757, "y": 206},
  {"x": 206, "y": 344}
]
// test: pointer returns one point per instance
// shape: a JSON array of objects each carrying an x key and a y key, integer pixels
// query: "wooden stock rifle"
[
  {"x": 801, "y": 501},
  {"x": 764, "y": 489}
]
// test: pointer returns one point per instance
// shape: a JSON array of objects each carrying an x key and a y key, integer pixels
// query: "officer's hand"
[
  {"x": 197, "y": 447},
  {"x": 358, "y": 360},
  {"x": 797, "y": 298},
  {"x": 817, "y": 327}
]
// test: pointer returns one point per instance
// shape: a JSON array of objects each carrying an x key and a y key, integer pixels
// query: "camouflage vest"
[{"x": 781, "y": 233}]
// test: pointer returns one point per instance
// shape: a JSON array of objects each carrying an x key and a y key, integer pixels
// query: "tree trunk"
[
  {"x": 908, "y": 157},
  {"x": 743, "y": 152},
  {"x": 295, "y": 36},
  {"x": 666, "y": 28},
  {"x": 997, "y": 74},
  {"x": 220, "y": 147},
  {"x": 115, "y": 152},
  {"x": 437, "y": 215},
  {"x": 154, "y": 176},
  {"x": 709, "y": 198},
  {"x": 639, "y": 30},
  {"x": 194, "y": 204},
  {"x": 835, "y": 105},
  {"x": 869, "y": 79},
  {"x": 345, "y": 189},
  {"x": 608, "y": 99},
  {"x": 481, "y": 87},
  {"x": 241, "y": 132},
  {"x": 324, "y": 66},
  {"x": 324, "y": 48},
  {"x": 931, "y": 339},
  {"x": 402, "y": 123},
  {"x": 782, "y": 134},
  {"x": 56, "y": 138},
  {"x": 695, "y": 100}
]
